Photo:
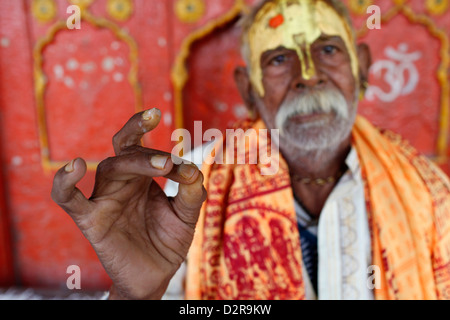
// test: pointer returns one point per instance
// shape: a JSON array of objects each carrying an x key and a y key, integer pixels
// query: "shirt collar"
[{"x": 353, "y": 164}]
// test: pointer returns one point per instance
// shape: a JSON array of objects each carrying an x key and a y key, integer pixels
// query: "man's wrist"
[{"x": 115, "y": 294}]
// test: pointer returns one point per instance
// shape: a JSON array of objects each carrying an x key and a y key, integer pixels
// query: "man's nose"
[
  {"x": 300, "y": 83},
  {"x": 307, "y": 75}
]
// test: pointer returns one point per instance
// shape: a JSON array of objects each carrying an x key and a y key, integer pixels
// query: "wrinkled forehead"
[{"x": 296, "y": 25}]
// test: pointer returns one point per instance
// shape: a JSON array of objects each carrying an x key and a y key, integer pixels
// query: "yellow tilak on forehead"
[{"x": 295, "y": 25}]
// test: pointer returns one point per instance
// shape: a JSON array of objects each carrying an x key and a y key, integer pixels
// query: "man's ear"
[
  {"x": 365, "y": 62},
  {"x": 242, "y": 79}
]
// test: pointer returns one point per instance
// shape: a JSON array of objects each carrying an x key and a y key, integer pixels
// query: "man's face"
[
  {"x": 316, "y": 113},
  {"x": 309, "y": 92}
]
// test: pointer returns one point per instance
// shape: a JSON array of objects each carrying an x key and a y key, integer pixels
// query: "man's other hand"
[{"x": 139, "y": 234}]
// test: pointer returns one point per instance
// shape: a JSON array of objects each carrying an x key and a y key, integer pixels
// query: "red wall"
[{"x": 88, "y": 95}]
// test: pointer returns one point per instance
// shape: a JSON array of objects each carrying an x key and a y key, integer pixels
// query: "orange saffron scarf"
[{"x": 247, "y": 243}]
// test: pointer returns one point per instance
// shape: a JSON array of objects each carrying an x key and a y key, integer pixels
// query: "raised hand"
[{"x": 139, "y": 234}]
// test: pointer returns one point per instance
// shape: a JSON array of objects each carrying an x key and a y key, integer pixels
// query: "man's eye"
[
  {"x": 278, "y": 60},
  {"x": 329, "y": 50}
]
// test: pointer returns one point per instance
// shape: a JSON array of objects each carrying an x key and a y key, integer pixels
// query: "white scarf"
[{"x": 344, "y": 246}]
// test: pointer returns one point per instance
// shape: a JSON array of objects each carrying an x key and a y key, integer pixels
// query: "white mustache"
[{"x": 310, "y": 102}]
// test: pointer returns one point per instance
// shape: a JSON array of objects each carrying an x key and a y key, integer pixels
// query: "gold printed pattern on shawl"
[
  {"x": 250, "y": 244},
  {"x": 402, "y": 216}
]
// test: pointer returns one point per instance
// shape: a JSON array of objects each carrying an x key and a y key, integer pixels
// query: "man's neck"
[{"x": 318, "y": 164}]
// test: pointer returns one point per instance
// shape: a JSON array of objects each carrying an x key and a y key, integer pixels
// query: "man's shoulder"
[{"x": 436, "y": 181}]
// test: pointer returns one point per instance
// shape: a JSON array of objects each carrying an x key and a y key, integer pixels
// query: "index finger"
[{"x": 133, "y": 131}]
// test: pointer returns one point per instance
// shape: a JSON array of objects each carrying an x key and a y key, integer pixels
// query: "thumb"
[{"x": 64, "y": 191}]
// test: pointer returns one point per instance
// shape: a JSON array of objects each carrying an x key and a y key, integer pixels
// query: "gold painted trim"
[
  {"x": 121, "y": 10},
  {"x": 442, "y": 73},
  {"x": 190, "y": 11},
  {"x": 44, "y": 11},
  {"x": 179, "y": 74},
  {"x": 437, "y": 7},
  {"x": 359, "y": 7},
  {"x": 40, "y": 80}
]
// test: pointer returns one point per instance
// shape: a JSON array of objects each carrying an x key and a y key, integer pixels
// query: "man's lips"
[{"x": 304, "y": 118}]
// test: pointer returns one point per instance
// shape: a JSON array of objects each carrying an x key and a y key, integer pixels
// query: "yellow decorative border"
[
  {"x": 40, "y": 79},
  {"x": 437, "y": 7},
  {"x": 187, "y": 16},
  {"x": 359, "y": 7},
  {"x": 442, "y": 73},
  {"x": 49, "y": 12},
  {"x": 179, "y": 74},
  {"x": 121, "y": 10}
]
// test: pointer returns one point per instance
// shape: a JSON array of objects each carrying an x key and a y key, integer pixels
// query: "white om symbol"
[{"x": 400, "y": 63}]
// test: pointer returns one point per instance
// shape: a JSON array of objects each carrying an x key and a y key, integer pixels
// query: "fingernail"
[
  {"x": 187, "y": 171},
  {"x": 70, "y": 167},
  {"x": 159, "y": 162},
  {"x": 150, "y": 114}
]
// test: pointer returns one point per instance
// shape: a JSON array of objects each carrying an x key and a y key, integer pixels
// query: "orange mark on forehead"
[
  {"x": 276, "y": 21},
  {"x": 295, "y": 25}
]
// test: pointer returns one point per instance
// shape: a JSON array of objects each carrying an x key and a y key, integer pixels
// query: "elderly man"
[{"x": 352, "y": 213}]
